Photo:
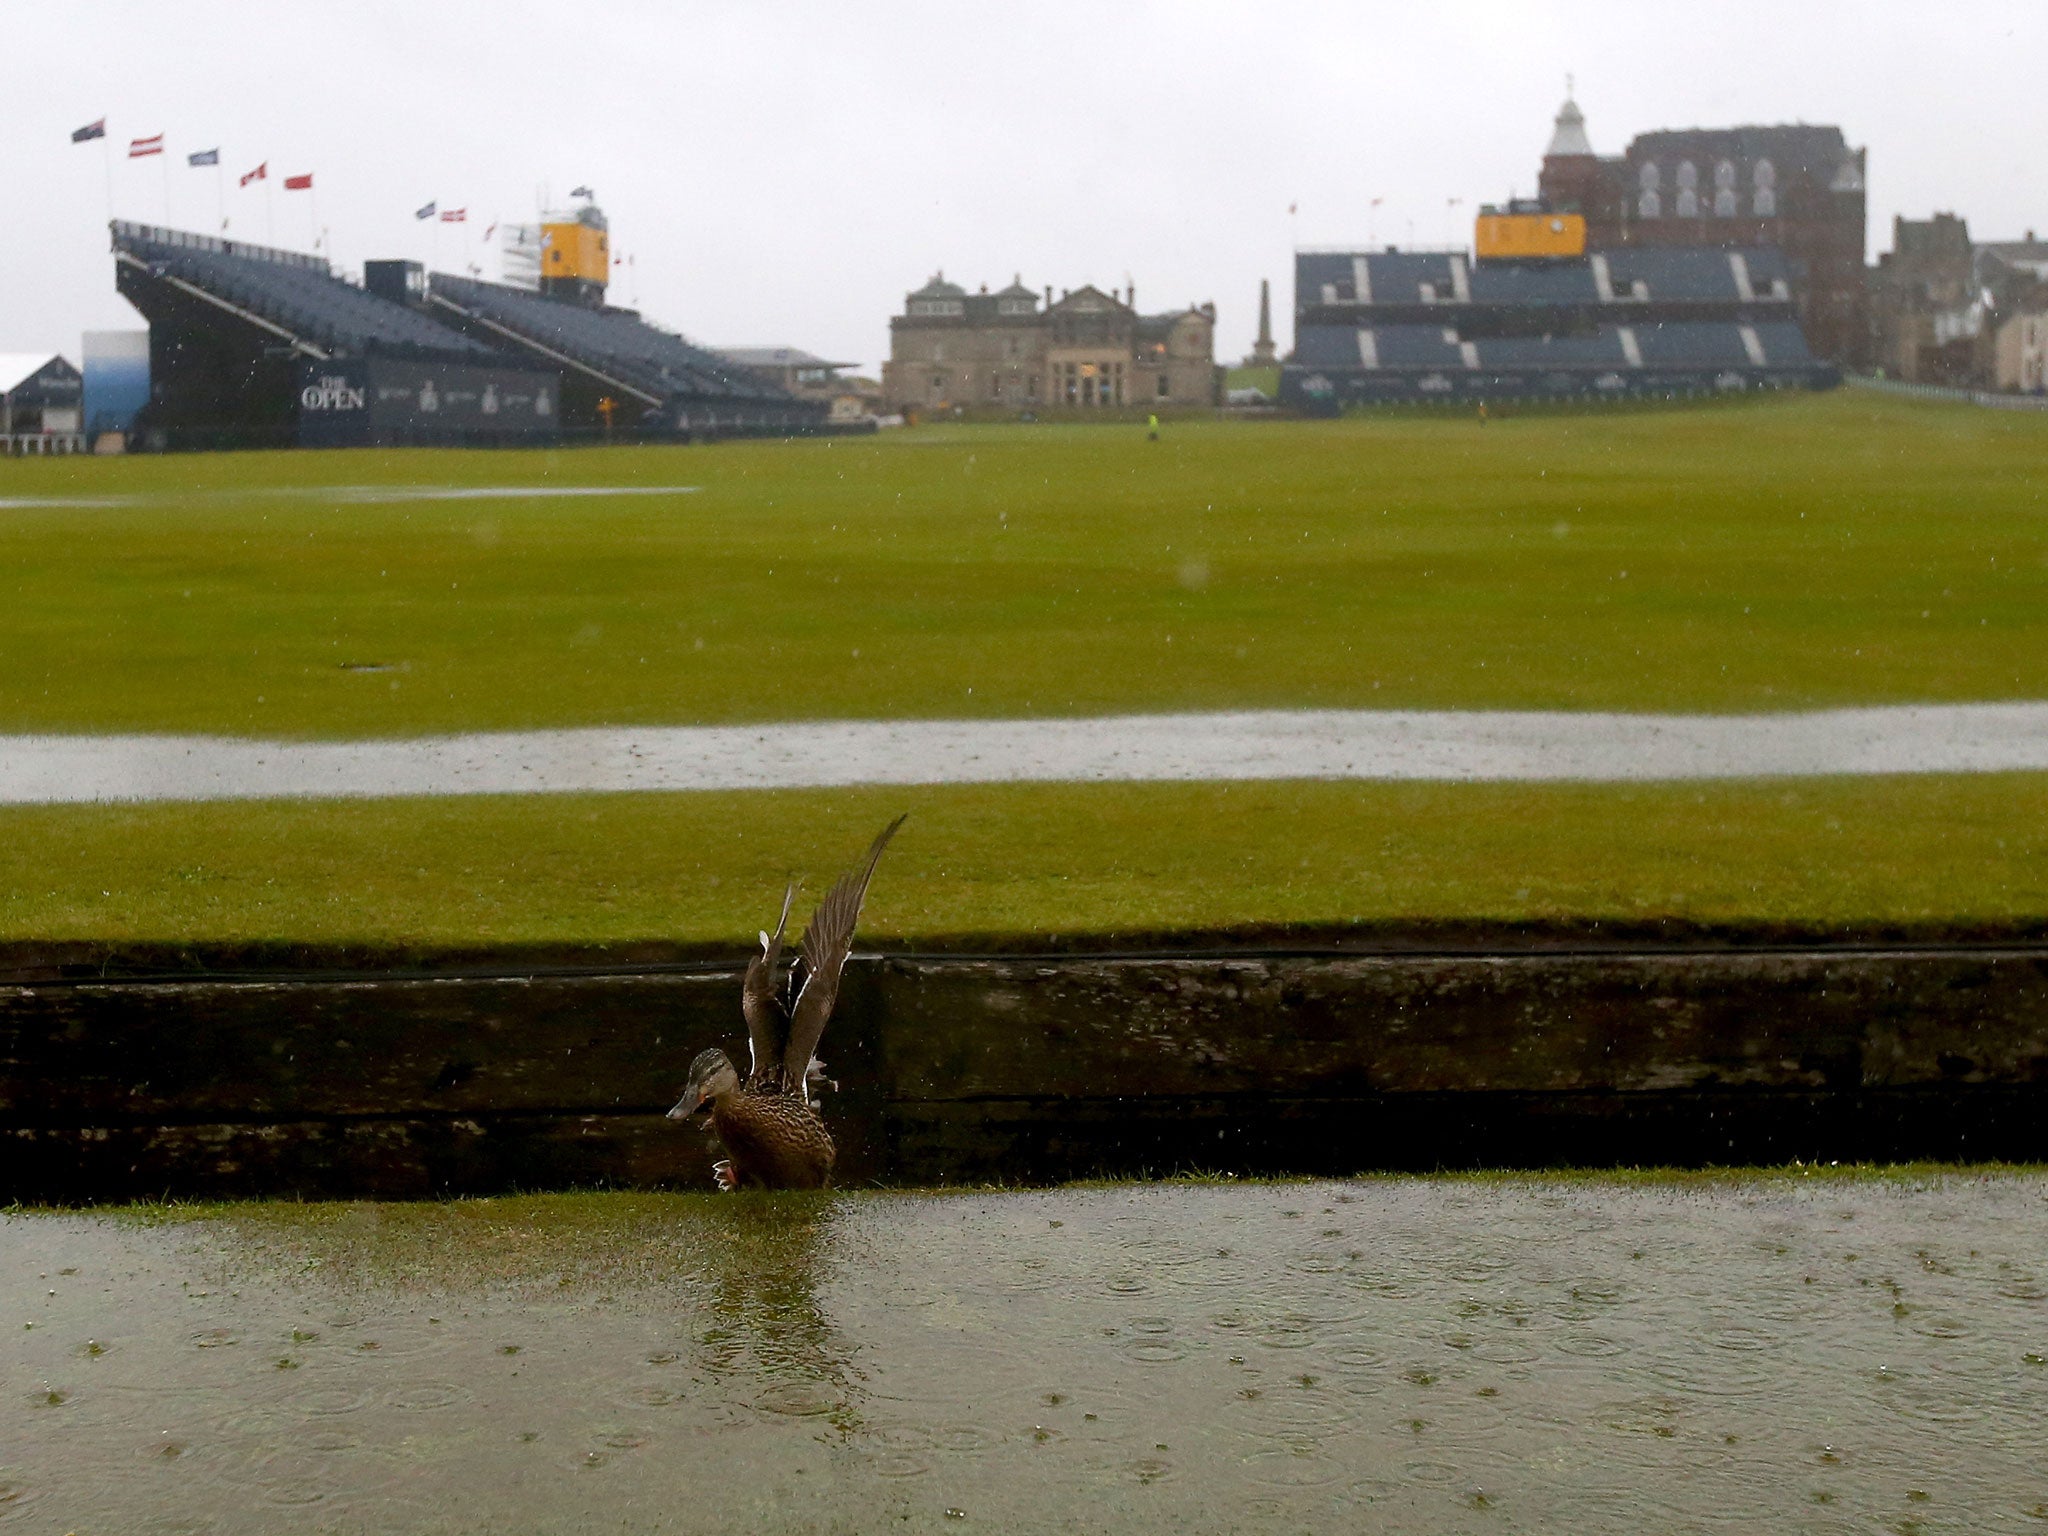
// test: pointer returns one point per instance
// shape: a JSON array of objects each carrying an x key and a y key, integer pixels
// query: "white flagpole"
[
  {"x": 269, "y": 209},
  {"x": 107, "y": 161},
  {"x": 220, "y": 192},
  {"x": 165, "y": 156}
]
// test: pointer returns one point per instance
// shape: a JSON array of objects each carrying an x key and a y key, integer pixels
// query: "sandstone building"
[
  {"x": 1952, "y": 311},
  {"x": 1087, "y": 351}
]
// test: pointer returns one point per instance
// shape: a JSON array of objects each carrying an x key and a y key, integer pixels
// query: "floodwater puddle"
[{"x": 1603, "y": 1354}]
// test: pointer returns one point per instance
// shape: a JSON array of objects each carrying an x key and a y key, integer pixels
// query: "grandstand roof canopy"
[
  {"x": 613, "y": 344},
  {"x": 776, "y": 357},
  {"x": 290, "y": 292}
]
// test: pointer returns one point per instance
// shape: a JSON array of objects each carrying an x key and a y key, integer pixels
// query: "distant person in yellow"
[{"x": 1152, "y": 426}]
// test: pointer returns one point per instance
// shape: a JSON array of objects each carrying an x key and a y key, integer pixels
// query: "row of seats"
[
  {"x": 612, "y": 341},
  {"x": 1665, "y": 344},
  {"x": 1701, "y": 274},
  {"x": 307, "y": 301}
]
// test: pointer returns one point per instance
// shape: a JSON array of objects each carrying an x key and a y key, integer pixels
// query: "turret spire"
[{"x": 1568, "y": 133}]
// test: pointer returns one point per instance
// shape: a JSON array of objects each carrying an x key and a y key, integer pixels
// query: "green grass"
[
  {"x": 1798, "y": 552},
  {"x": 1818, "y": 550},
  {"x": 1023, "y": 863}
]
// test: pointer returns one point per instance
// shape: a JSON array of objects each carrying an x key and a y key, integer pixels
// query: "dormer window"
[{"x": 940, "y": 307}]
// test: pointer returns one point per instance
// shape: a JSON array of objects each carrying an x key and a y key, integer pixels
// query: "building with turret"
[
  {"x": 1085, "y": 351},
  {"x": 1798, "y": 187}
]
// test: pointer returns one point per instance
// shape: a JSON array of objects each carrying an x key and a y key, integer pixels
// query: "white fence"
[
  {"x": 1997, "y": 401},
  {"x": 20, "y": 445}
]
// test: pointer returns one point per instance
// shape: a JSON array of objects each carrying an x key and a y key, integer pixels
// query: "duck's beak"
[{"x": 689, "y": 1104}]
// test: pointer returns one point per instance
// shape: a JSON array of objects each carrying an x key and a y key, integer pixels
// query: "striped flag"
[
  {"x": 299, "y": 183},
  {"x": 490, "y": 232},
  {"x": 96, "y": 130},
  {"x": 153, "y": 145},
  {"x": 204, "y": 157},
  {"x": 426, "y": 212},
  {"x": 454, "y": 215},
  {"x": 261, "y": 173}
]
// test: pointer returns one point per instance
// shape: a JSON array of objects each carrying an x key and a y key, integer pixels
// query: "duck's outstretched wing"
[
  {"x": 827, "y": 939},
  {"x": 767, "y": 1021}
]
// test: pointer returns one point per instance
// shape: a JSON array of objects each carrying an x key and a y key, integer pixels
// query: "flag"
[
  {"x": 490, "y": 232},
  {"x": 96, "y": 130},
  {"x": 299, "y": 183},
  {"x": 204, "y": 157},
  {"x": 581, "y": 192},
  {"x": 261, "y": 173},
  {"x": 424, "y": 213},
  {"x": 1377, "y": 201},
  {"x": 153, "y": 145},
  {"x": 454, "y": 215}
]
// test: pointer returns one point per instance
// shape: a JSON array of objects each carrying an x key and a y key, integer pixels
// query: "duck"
[{"x": 769, "y": 1123}]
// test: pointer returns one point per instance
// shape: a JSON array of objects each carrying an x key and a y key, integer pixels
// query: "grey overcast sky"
[{"x": 784, "y": 172}]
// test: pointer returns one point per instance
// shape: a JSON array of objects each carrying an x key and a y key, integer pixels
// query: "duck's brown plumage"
[
  {"x": 774, "y": 1140},
  {"x": 773, "y": 1135}
]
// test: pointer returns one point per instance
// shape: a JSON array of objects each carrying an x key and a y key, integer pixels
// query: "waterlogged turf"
[
  {"x": 1842, "y": 549},
  {"x": 1738, "y": 1353},
  {"x": 982, "y": 863}
]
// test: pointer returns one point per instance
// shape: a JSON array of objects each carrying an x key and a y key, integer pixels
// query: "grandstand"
[
  {"x": 254, "y": 346},
  {"x": 657, "y": 382},
  {"x": 1391, "y": 326}
]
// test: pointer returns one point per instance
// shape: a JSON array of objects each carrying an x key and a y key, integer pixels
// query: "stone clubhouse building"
[{"x": 1086, "y": 351}]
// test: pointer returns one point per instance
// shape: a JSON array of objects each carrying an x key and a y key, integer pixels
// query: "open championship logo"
[{"x": 332, "y": 393}]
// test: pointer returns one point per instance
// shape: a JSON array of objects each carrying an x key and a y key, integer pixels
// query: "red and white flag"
[
  {"x": 490, "y": 232},
  {"x": 454, "y": 215},
  {"x": 261, "y": 173},
  {"x": 299, "y": 183},
  {"x": 153, "y": 145}
]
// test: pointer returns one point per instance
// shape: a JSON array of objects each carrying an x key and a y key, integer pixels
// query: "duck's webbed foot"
[{"x": 725, "y": 1175}]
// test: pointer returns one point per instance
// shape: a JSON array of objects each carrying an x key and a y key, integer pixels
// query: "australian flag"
[
  {"x": 426, "y": 212},
  {"x": 96, "y": 130},
  {"x": 204, "y": 157}
]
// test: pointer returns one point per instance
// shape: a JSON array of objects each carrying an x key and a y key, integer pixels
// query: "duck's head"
[{"x": 711, "y": 1077}]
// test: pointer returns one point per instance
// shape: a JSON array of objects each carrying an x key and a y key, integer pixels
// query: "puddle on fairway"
[
  {"x": 346, "y": 495},
  {"x": 1400, "y": 1355}
]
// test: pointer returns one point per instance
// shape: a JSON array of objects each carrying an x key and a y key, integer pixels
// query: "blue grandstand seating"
[
  {"x": 1784, "y": 344},
  {"x": 1417, "y": 346},
  {"x": 298, "y": 294},
  {"x": 1434, "y": 326},
  {"x": 1495, "y": 282},
  {"x": 1398, "y": 276},
  {"x": 616, "y": 342},
  {"x": 1327, "y": 346},
  {"x": 1692, "y": 344},
  {"x": 1601, "y": 350},
  {"x": 1699, "y": 273}
]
